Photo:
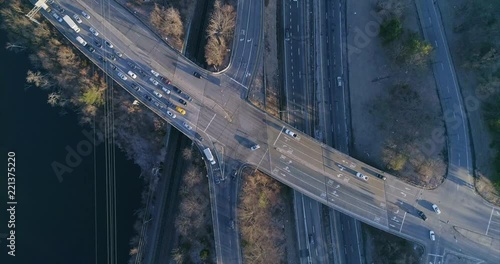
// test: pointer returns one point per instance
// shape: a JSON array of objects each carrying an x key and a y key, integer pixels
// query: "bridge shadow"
[{"x": 247, "y": 143}]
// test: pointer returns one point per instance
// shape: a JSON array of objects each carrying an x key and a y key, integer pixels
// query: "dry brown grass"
[{"x": 219, "y": 33}]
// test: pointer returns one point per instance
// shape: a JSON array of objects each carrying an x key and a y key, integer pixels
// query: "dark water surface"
[{"x": 54, "y": 219}]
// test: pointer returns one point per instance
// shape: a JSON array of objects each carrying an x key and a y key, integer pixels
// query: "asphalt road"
[{"x": 220, "y": 114}]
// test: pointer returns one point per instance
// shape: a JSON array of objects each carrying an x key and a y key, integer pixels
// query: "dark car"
[
  {"x": 197, "y": 75},
  {"x": 142, "y": 73},
  {"x": 101, "y": 58},
  {"x": 132, "y": 65},
  {"x": 111, "y": 57},
  {"x": 165, "y": 80},
  {"x": 90, "y": 48},
  {"x": 422, "y": 215},
  {"x": 177, "y": 90},
  {"x": 311, "y": 239},
  {"x": 187, "y": 97},
  {"x": 136, "y": 87},
  {"x": 113, "y": 67},
  {"x": 380, "y": 176},
  {"x": 182, "y": 102},
  {"x": 147, "y": 97},
  {"x": 98, "y": 43}
]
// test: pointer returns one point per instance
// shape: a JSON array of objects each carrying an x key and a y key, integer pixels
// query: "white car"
[
  {"x": 171, "y": 114},
  {"x": 339, "y": 81},
  {"x": 85, "y": 15},
  {"x": 290, "y": 133},
  {"x": 122, "y": 76},
  {"x": 255, "y": 147},
  {"x": 132, "y": 74},
  {"x": 155, "y": 73},
  {"x": 361, "y": 176},
  {"x": 436, "y": 209},
  {"x": 167, "y": 91},
  {"x": 155, "y": 82},
  {"x": 431, "y": 235},
  {"x": 187, "y": 126},
  {"x": 157, "y": 94},
  {"x": 77, "y": 18},
  {"x": 93, "y": 31},
  {"x": 157, "y": 104}
]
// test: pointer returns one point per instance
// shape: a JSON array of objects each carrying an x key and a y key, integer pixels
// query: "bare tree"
[
  {"x": 53, "y": 98},
  {"x": 14, "y": 47}
]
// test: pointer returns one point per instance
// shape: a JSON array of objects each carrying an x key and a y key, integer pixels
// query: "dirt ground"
[
  {"x": 371, "y": 72},
  {"x": 265, "y": 90},
  {"x": 468, "y": 80}
]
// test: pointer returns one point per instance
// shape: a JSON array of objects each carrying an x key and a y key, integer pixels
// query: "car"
[
  {"x": 77, "y": 18},
  {"x": 165, "y": 80},
  {"x": 98, "y": 43},
  {"x": 311, "y": 239},
  {"x": 119, "y": 54},
  {"x": 380, "y": 176},
  {"x": 133, "y": 75},
  {"x": 57, "y": 17},
  {"x": 199, "y": 137},
  {"x": 143, "y": 73},
  {"x": 156, "y": 104},
  {"x": 85, "y": 15},
  {"x": 422, "y": 215},
  {"x": 187, "y": 97},
  {"x": 132, "y": 65},
  {"x": 157, "y": 94},
  {"x": 287, "y": 34},
  {"x": 93, "y": 31},
  {"x": 436, "y": 209},
  {"x": 361, "y": 176},
  {"x": 50, "y": 2},
  {"x": 255, "y": 147},
  {"x": 182, "y": 101},
  {"x": 186, "y": 125},
  {"x": 113, "y": 67},
  {"x": 167, "y": 91},
  {"x": 172, "y": 115},
  {"x": 59, "y": 8},
  {"x": 290, "y": 133},
  {"x": 155, "y": 73},
  {"x": 111, "y": 57},
  {"x": 101, "y": 58},
  {"x": 339, "y": 81},
  {"x": 231, "y": 224},
  {"x": 90, "y": 48},
  {"x": 148, "y": 97},
  {"x": 136, "y": 87},
  {"x": 122, "y": 76},
  {"x": 197, "y": 75},
  {"x": 155, "y": 82},
  {"x": 108, "y": 44},
  {"x": 432, "y": 236},
  {"x": 177, "y": 90}
]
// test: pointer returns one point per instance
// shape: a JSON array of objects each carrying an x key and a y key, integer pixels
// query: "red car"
[{"x": 165, "y": 80}]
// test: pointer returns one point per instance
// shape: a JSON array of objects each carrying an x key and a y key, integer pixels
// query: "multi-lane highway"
[{"x": 220, "y": 115}]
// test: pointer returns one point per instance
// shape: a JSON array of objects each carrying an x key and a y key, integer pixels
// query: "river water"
[{"x": 55, "y": 216}]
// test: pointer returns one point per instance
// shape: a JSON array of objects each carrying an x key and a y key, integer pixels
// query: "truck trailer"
[{"x": 71, "y": 23}]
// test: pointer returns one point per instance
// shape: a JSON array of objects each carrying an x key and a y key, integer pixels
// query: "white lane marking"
[
  {"x": 489, "y": 222},
  {"x": 402, "y": 222},
  {"x": 209, "y": 123}
]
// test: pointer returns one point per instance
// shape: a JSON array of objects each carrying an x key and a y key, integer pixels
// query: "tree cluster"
[
  {"x": 260, "y": 214},
  {"x": 169, "y": 23},
  {"x": 219, "y": 33}
]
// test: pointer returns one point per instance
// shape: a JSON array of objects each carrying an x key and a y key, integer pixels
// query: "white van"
[{"x": 209, "y": 156}]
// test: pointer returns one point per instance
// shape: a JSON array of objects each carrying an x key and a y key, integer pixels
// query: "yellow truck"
[{"x": 180, "y": 110}]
